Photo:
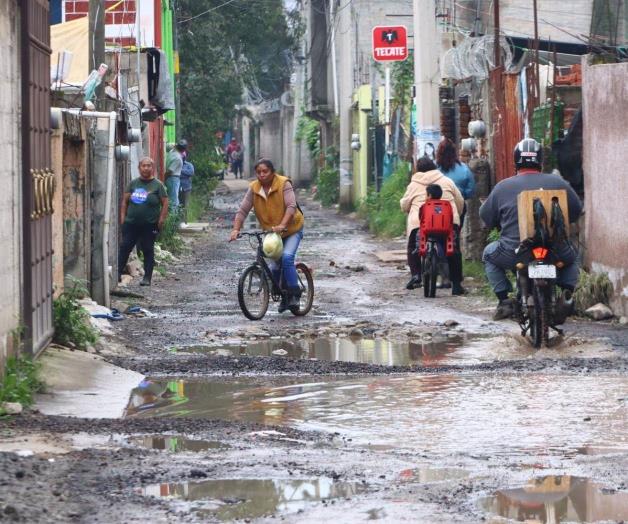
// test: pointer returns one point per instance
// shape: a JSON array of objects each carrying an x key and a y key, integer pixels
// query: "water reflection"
[
  {"x": 176, "y": 444},
  {"x": 555, "y": 499},
  {"x": 229, "y": 499},
  {"x": 448, "y": 413}
]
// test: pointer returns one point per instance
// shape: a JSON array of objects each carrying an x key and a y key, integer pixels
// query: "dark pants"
[
  {"x": 454, "y": 261},
  {"x": 184, "y": 200},
  {"x": 142, "y": 235},
  {"x": 236, "y": 167}
]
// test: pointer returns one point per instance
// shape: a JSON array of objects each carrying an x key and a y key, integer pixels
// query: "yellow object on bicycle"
[{"x": 273, "y": 246}]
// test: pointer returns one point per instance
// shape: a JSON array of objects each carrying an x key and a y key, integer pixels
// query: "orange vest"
[{"x": 270, "y": 208}]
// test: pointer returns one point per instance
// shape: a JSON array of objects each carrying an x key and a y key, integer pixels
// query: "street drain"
[
  {"x": 229, "y": 499},
  {"x": 554, "y": 499},
  {"x": 176, "y": 444}
]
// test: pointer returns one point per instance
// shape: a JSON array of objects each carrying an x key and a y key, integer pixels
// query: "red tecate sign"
[{"x": 390, "y": 43}]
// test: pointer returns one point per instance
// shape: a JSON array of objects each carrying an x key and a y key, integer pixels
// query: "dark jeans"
[
  {"x": 142, "y": 235},
  {"x": 184, "y": 200},
  {"x": 454, "y": 261},
  {"x": 236, "y": 167}
]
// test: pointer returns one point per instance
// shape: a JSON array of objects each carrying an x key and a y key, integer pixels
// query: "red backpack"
[{"x": 437, "y": 219}]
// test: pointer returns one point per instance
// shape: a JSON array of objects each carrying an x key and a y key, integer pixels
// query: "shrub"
[
  {"x": 592, "y": 289},
  {"x": 328, "y": 186},
  {"x": 20, "y": 381},
  {"x": 383, "y": 214},
  {"x": 71, "y": 321},
  {"x": 169, "y": 238}
]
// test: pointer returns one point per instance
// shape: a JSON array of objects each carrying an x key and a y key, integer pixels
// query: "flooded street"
[{"x": 378, "y": 405}]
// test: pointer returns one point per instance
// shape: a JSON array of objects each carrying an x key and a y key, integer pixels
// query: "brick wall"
[
  {"x": 10, "y": 167},
  {"x": 120, "y": 18}
]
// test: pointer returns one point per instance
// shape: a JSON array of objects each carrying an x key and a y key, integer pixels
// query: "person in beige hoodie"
[{"x": 411, "y": 202}]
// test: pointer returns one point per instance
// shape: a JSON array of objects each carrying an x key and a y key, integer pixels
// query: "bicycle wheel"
[
  {"x": 306, "y": 283},
  {"x": 253, "y": 293}
]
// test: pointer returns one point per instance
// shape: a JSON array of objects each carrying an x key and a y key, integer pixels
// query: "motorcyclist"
[{"x": 500, "y": 210}]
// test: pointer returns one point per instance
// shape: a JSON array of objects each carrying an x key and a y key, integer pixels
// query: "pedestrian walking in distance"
[
  {"x": 174, "y": 164},
  {"x": 142, "y": 216},
  {"x": 187, "y": 172}
]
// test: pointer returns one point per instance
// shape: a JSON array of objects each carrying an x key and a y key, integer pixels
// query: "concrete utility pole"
[
  {"x": 344, "y": 47},
  {"x": 96, "y": 40},
  {"x": 426, "y": 75}
]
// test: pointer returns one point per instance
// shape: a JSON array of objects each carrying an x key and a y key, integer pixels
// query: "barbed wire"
[{"x": 474, "y": 58}]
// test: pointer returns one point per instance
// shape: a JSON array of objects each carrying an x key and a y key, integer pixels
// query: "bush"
[
  {"x": 383, "y": 214},
  {"x": 328, "y": 186},
  {"x": 169, "y": 238},
  {"x": 71, "y": 321},
  {"x": 592, "y": 289},
  {"x": 20, "y": 381}
]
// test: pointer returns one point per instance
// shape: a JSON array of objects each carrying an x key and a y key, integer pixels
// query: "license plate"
[{"x": 542, "y": 271}]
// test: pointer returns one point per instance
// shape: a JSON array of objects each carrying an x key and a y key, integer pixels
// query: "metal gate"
[{"x": 37, "y": 178}]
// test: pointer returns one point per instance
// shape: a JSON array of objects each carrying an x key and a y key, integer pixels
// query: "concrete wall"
[
  {"x": 10, "y": 179},
  {"x": 271, "y": 138},
  {"x": 604, "y": 95}
]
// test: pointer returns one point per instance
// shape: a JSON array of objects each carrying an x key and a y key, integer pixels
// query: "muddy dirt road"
[{"x": 379, "y": 405}]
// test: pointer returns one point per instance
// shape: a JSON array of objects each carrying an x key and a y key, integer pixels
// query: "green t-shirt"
[{"x": 145, "y": 202}]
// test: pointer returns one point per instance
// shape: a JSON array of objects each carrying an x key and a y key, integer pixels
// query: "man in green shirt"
[{"x": 144, "y": 210}]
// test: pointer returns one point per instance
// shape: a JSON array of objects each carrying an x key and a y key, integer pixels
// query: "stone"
[
  {"x": 356, "y": 332},
  {"x": 134, "y": 268},
  {"x": 451, "y": 323},
  {"x": 126, "y": 280},
  {"x": 280, "y": 352},
  {"x": 599, "y": 312},
  {"x": 11, "y": 408},
  {"x": 623, "y": 321}
]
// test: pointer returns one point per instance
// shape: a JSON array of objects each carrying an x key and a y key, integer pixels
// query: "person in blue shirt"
[
  {"x": 450, "y": 166},
  {"x": 187, "y": 172}
]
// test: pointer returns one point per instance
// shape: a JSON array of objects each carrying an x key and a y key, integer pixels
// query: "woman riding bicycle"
[{"x": 272, "y": 196}]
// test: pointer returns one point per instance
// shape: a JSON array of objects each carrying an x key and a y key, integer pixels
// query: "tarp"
[{"x": 71, "y": 36}]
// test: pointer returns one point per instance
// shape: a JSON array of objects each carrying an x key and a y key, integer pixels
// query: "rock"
[
  {"x": 599, "y": 312},
  {"x": 356, "y": 332},
  {"x": 134, "y": 268},
  {"x": 11, "y": 408},
  {"x": 126, "y": 280},
  {"x": 623, "y": 321},
  {"x": 197, "y": 474},
  {"x": 451, "y": 323},
  {"x": 280, "y": 352}
]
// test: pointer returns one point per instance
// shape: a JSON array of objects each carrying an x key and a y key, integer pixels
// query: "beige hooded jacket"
[{"x": 416, "y": 195}]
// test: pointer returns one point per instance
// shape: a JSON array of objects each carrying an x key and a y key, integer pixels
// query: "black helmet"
[{"x": 528, "y": 153}]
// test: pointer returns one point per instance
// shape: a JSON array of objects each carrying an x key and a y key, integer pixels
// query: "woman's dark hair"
[
  {"x": 424, "y": 164},
  {"x": 446, "y": 155},
  {"x": 265, "y": 162},
  {"x": 434, "y": 191}
]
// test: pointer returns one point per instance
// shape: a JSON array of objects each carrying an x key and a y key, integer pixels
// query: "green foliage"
[
  {"x": 20, "y": 381},
  {"x": 592, "y": 289},
  {"x": 493, "y": 235},
  {"x": 169, "y": 238},
  {"x": 308, "y": 131},
  {"x": 383, "y": 214},
  {"x": 402, "y": 78},
  {"x": 328, "y": 186},
  {"x": 237, "y": 46},
  {"x": 71, "y": 321},
  {"x": 200, "y": 200}
]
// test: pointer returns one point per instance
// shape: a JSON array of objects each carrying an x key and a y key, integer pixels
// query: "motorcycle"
[{"x": 537, "y": 308}]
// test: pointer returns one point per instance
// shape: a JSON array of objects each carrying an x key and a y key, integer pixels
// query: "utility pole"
[
  {"x": 426, "y": 76},
  {"x": 344, "y": 47},
  {"x": 536, "y": 51},
  {"x": 497, "y": 47},
  {"x": 96, "y": 34}
]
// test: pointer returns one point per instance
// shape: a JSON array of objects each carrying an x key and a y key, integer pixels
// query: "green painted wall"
[{"x": 167, "y": 46}]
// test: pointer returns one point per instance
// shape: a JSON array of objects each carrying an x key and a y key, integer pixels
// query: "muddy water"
[
  {"x": 229, "y": 499},
  {"x": 176, "y": 443},
  {"x": 468, "y": 414},
  {"x": 554, "y": 499}
]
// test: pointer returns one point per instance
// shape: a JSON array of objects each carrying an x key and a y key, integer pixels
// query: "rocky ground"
[{"x": 380, "y": 404}]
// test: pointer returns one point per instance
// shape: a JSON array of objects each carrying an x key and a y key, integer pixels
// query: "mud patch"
[
  {"x": 229, "y": 499},
  {"x": 554, "y": 499},
  {"x": 429, "y": 475},
  {"x": 176, "y": 444}
]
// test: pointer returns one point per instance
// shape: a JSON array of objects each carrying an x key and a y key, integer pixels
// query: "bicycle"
[
  {"x": 258, "y": 284},
  {"x": 436, "y": 241}
]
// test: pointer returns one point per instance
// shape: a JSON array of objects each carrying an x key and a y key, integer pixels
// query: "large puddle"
[
  {"x": 468, "y": 414},
  {"x": 230, "y": 499},
  {"x": 554, "y": 499},
  {"x": 432, "y": 350}
]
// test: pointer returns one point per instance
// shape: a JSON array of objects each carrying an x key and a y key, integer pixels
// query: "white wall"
[{"x": 10, "y": 170}]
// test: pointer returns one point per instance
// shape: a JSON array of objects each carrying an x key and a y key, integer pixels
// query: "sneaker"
[
  {"x": 283, "y": 305},
  {"x": 504, "y": 309},
  {"x": 145, "y": 282},
  {"x": 414, "y": 282}
]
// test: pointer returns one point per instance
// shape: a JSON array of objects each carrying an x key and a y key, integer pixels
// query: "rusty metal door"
[{"x": 37, "y": 178}]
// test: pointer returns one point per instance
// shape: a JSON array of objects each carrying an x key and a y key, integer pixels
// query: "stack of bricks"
[{"x": 117, "y": 13}]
